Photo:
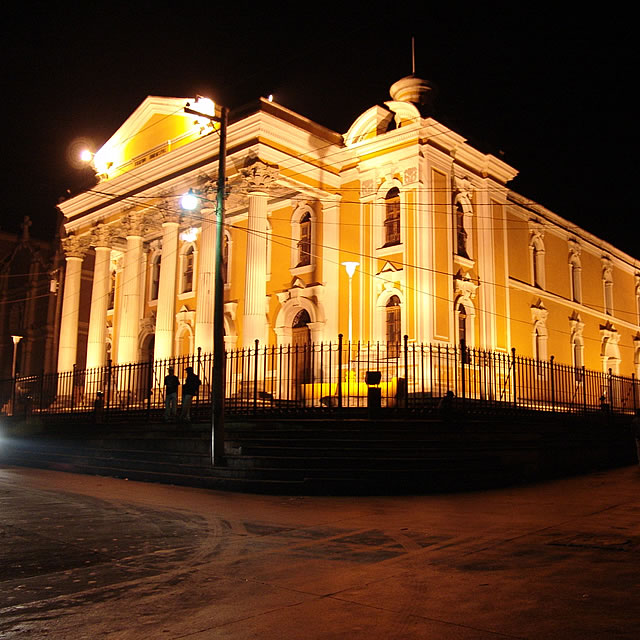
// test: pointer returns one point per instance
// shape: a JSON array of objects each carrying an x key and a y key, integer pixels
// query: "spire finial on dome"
[{"x": 412, "y": 88}]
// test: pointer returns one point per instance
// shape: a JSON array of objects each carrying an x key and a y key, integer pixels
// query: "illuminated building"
[{"x": 446, "y": 252}]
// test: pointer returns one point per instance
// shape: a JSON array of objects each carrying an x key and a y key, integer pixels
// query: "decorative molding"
[
  {"x": 607, "y": 269},
  {"x": 102, "y": 236},
  {"x": 76, "y": 246},
  {"x": 463, "y": 189},
  {"x": 464, "y": 287},
  {"x": 539, "y": 313},
  {"x": 258, "y": 176},
  {"x": 575, "y": 250}
]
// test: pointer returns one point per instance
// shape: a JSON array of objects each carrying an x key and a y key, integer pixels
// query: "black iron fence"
[{"x": 332, "y": 376}]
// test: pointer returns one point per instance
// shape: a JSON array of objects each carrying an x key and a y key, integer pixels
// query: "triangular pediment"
[
  {"x": 388, "y": 267},
  {"x": 157, "y": 126}
]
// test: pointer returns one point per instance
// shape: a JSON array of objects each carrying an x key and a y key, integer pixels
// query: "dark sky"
[{"x": 551, "y": 90}]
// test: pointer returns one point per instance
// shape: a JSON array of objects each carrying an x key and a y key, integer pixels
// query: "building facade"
[
  {"x": 446, "y": 253},
  {"x": 28, "y": 274}
]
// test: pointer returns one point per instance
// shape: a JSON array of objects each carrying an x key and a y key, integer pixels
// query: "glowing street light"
[
  {"x": 350, "y": 266},
  {"x": 16, "y": 340},
  {"x": 189, "y": 201}
]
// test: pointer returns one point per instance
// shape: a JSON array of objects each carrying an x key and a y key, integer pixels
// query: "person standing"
[
  {"x": 171, "y": 384},
  {"x": 189, "y": 389}
]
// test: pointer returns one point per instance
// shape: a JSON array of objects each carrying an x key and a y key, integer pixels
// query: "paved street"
[{"x": 90, "y": 557}]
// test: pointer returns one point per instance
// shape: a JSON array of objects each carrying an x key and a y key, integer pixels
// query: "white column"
[
  {"x": 255, "y": 285},
  {"x": 206, "y": 282},
  {"x": 331, "y": 268},
  {"x": 258, "y": 176},
  {"x": 75, "y": 249},
  {"x": 99, "y": 303},
  {"x": 130, "y": 314},
  {"x": 165, "y": 315}
]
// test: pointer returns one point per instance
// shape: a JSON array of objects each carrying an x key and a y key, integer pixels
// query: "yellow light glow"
[
  {"x": 101, "y": 161},
  {"x": 86, "y": 155},
  {"x": 205, "y": 105},
  {"x": 189, "y": 235}
]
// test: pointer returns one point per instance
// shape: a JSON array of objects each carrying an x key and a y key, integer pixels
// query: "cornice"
[
  {"x": 568, "y": 230},
  {"x": 289, "y": 142},
  {"x": 569, "y": 304}
]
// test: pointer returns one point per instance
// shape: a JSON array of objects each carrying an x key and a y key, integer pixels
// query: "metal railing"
[{"x": 331, "y": 376}]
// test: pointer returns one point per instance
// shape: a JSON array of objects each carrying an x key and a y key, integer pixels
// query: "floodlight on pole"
[
  {"x": 16, "y": 339},
  {"x": 217, "y": 381},
  {"x": 350, "y": 267}
]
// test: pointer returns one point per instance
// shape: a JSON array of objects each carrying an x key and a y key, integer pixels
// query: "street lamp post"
[
  {"x": 16, "y": 340},
  {"x": 350, "y": 266},
  {"x": 217, "y": 382}
]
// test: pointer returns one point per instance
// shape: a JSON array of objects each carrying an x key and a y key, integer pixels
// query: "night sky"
[{"x": 550, "y": 92}]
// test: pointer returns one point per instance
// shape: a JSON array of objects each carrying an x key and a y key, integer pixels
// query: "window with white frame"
[
  {"x": 303, "y": 238},
  {"x": 393, "y": 326},
  {"x": 187, "y": 268},
  {"x": 607, "y": 285},
  {"x": 610, "y": 349},
  {"x": 575, "y": 278},
  {"x": 461, "y": 232},
  {"x": 304, "y": 244},
  {"x": 226, "y": 258},
  {"x": 536, "y": 249},
  {"x": 392, "y": 217},
  {"x": 155, "y": 276},
  {"x": 540, "y": 334}
]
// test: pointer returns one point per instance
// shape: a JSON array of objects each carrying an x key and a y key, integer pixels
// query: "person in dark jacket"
[
  {"x": 189, "y": 389},
  {"x": 171, "y": 384}
]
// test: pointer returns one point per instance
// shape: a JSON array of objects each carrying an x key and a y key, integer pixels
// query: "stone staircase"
[{"x": 348, "y": 456}]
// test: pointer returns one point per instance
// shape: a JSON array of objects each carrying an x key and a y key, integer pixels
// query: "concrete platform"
[{"x": 86, "y": 557}]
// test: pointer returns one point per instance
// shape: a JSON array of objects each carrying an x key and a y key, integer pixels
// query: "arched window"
[
  {"x": 537, "y": 345},
  {"x": 462, "y": 325},
  {"x": 155, "y": 276},
  {"x": 607, "y": 283},
  {"x": 393, "y": 326},
  {"x": 302, "y": 239},
  {"x": 575, "y": 272},
  {"x": 225, "y": 258},
  {"x": 537, "y": 264},
  {"x": 577, "y": 354},
  {"x": 304, "y": 244},
  {"x": 610, "y": 350},
  {"x": 540, "y": 338},
  {"x": 187, "y": 270},
  {"x": 392, "y": 217}
]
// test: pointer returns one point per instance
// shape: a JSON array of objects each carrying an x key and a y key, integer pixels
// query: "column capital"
[
  {"x": 75, "y": 246},
  {"x": 102, "y": 236},
  {"x": 258, "y": 176},
  {"x": 135, "y": 223},
  {"x": 170, "y": 217}
]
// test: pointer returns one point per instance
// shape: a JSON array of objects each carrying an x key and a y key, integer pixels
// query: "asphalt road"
[{"x": 90, "y": 557}]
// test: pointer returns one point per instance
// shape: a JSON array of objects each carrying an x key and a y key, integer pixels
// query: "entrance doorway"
[{"x": 300, "y": 351}]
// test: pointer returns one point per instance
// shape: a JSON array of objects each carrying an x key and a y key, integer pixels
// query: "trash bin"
[{"x": 374, "y": 393}]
